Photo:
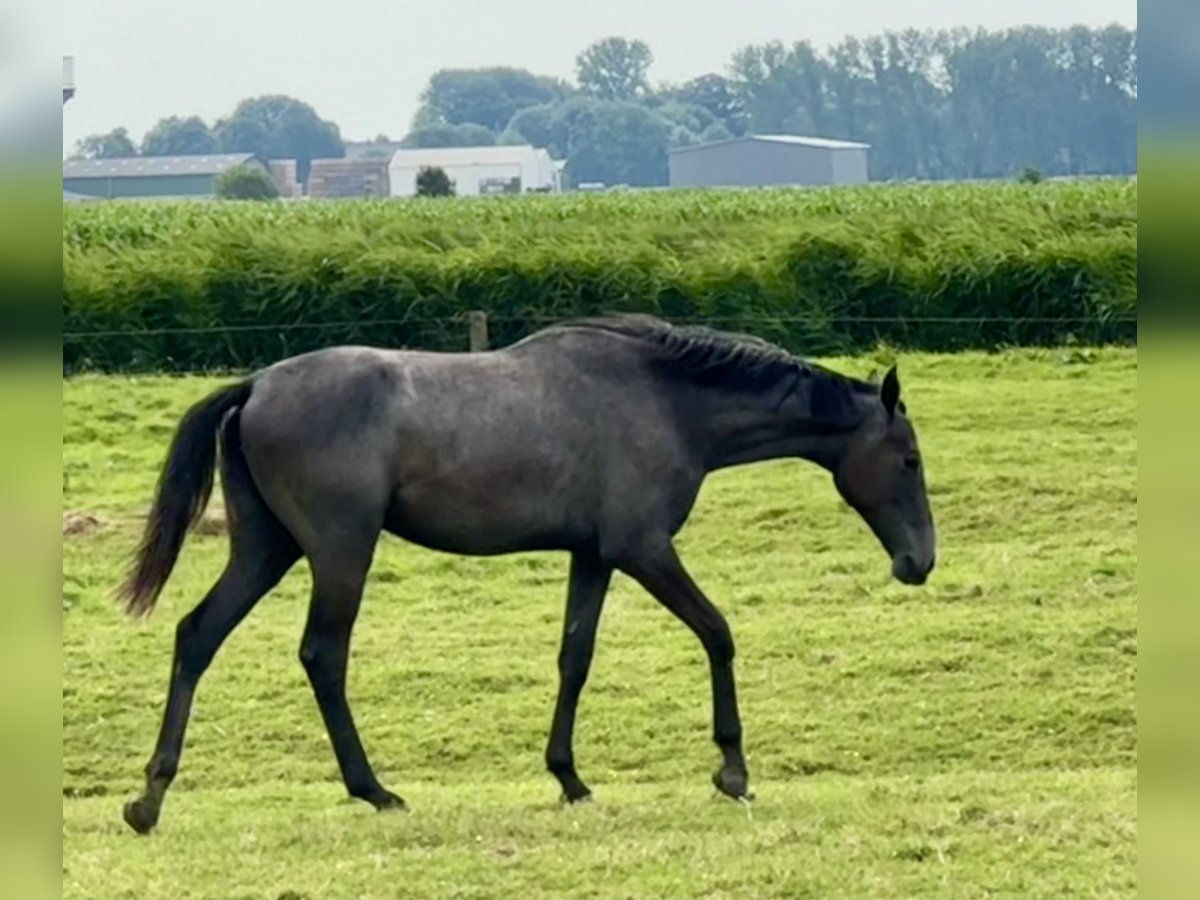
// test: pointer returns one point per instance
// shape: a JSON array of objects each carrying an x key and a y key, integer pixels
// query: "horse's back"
[{"x": 463, "y": 449}]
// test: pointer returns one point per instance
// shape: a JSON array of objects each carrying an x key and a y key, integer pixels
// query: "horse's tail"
[{"x": 183, "y": 490}]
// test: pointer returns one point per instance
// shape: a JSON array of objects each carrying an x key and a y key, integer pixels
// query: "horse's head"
[{"x": 881, "y": 475}]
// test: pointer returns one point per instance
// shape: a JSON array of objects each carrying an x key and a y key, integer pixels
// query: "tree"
[
  {"x": 249, "y": 181},
  {"x": 761, "y": 82},
  {"x": 614, "y": 69},
  {"x": 716, "y": 95},
  {"x": 466, "y": 135},
  {"x": 487, "y": 97},
  {"x": 432, "y": 181},
  {"x": 782, "y": 89},
  {"x": 541, "y": 126},
  {"x": 1011, "y": 102},
  {"x": 116, "y": 144},
  {"x": 690, "y": 124},
  {"x": 279, "y": 127},
  {"x": 851, "y": 93},
  {"x": 911, "y": 112},
  {"x": 615, "y": 143},
  {"x": 379, "y": 147},
  {"x": 176, "y": 136},
  {"x": 955, "y": 104},
  {"x": 510, "y": 137}
]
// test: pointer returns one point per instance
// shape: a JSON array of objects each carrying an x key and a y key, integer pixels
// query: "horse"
[{"x": 590, "y": 437}]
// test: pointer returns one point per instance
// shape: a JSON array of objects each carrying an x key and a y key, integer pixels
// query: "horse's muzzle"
[{"x": 906, "y": 569}]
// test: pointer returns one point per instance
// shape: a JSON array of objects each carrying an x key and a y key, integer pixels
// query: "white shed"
[{"x": 508, "y": 169}]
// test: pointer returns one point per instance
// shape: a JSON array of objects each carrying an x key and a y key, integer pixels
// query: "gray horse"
[{"x": 591, "y": 437}]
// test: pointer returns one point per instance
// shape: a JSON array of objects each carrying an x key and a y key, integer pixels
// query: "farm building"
[
  {"x": 151, "y": 176},
  {"x": 283, "y": 173},
  {"x": 363, "y": 177},
  {"x": 514, "y": 169},
  {"x": 769, "y": 159}
]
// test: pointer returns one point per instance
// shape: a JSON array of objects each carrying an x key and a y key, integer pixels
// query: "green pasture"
[{"x": 972, "y": 738}]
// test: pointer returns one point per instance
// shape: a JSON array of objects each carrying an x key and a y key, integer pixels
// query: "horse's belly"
[{"x": 482, "y": 520}]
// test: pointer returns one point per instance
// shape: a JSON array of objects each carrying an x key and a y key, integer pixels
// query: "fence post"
[{"x": 478, "y": 324}]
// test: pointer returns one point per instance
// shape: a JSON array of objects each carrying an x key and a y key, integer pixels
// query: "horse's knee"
[
  {"x": 573, "y": 671},
  {"x": 321, "y": 657},
  {"x": 720, "y": 646},
  {"x": 311, "y": 655}
]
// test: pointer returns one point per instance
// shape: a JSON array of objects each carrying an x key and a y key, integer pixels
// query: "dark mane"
[{"x": 735, "y": 361}]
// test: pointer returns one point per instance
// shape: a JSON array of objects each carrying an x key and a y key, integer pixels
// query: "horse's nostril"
[{"x": 906, "y": 569}]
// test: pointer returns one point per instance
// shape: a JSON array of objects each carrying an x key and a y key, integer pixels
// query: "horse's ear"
[{"x": 889, "y": 391}]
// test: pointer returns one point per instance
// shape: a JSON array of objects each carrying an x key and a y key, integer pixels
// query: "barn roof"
[
  {"x": 371, "y": 149},
  {"x": 142, "y": 166},
  {"x": 795, "y": 139},
  {"x": 504, "y": 154}
]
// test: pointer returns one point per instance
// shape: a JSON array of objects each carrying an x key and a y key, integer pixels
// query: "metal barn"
[
  {"x": 769, "y": 159},
  {"x": 151, "y": 176}
]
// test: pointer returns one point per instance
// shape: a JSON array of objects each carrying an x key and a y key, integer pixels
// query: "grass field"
[{"x": 975, "y": 737}]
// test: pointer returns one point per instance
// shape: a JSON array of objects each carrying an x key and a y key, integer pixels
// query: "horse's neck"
[{"x": 741, "y": 430}]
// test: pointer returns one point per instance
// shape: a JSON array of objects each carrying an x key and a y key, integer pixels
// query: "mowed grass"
[{"x": 975, "y": 737}]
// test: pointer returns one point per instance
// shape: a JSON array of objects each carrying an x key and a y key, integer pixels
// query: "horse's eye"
[{"x": 912, "y": 462}]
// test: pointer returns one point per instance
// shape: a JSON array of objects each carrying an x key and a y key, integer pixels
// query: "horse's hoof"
[
  {"x": 733, "y": 783},
  {"x": 388, "y": 802},
  {"x": 570, "y": 799},
  {"x": 140, "y": 815}
]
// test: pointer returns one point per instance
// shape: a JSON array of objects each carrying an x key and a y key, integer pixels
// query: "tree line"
[
  {"x": 955, "y": 104},
  {"x": 273, "y": 126}
]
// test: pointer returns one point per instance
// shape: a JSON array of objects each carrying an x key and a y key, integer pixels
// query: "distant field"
[
  {"x": 974, "y": 738},
  {"x": 193, "y": 286}
]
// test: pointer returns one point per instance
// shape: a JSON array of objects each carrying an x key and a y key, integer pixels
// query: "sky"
[{"x": 363, "y": 63}]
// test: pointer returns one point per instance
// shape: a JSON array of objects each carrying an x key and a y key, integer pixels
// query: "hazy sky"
[{"x": 362, "y": 63}]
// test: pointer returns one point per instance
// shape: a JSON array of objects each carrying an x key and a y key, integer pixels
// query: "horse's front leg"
[{"x": 662, "y": 574}]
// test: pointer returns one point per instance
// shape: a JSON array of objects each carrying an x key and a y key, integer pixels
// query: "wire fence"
[
  {"x": 548, "y": 320},
  {"x": 234, "y": 345}
]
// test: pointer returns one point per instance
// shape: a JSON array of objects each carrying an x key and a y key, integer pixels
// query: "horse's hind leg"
[
  {"x": 339, "y": 573},
  {"x": 261, "y": 552},
  {"x": 585, "y": 598}
]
